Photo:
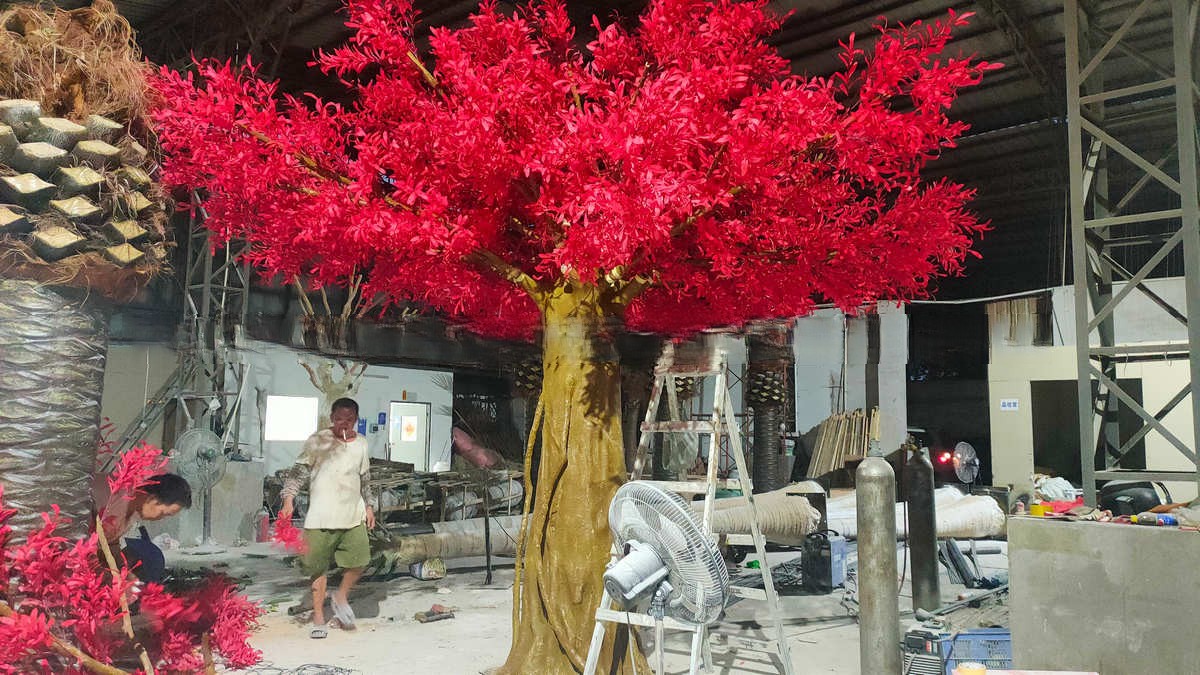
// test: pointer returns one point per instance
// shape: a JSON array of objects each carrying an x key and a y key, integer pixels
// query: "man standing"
[{"x": 335, "y": 465}]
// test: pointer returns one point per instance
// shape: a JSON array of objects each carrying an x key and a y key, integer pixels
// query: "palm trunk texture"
[
  {"x": 52, "y": 351},
  {"x": 566, "y": 543},
  {"x": 769, "y": 358}
]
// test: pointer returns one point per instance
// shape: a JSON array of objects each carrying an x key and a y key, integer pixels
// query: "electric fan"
[
  {"x": 199, "y": 457},
  {"x": 966, "y": 463},
  {"x": 663, "y": 558}
]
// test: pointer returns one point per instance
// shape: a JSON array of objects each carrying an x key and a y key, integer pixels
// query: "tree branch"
[
  {"x": 126, "y": 623},
  {"x": 486, "y": 258},
  {"x": 507, "y": 270},
  {"x": 428, "y": 76},
  {"x": 305, "y": 303},
  {"x": 60, "y": 646}
]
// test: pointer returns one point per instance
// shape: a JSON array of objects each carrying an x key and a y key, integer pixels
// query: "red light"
[{"x": 944, "y": 458}]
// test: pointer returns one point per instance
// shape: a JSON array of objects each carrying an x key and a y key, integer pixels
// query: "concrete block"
[
  {"x": 55, "y": 243},
  {"x": 8, "y": 143},
  {"x": 20, "y": 114},
  {"x": 124, "y": 231},
  {"x": 78, "y": 180},
  {"x": 13, "y": 220},
  {"x": 133, "y": 177},
  {"x": 1116, "y": 599},
  {"x": 123, "y": 255},
  {"x": 77, "y": 210}
]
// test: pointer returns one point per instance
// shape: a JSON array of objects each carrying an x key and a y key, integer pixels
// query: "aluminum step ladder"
[{"x": 702, "y": 364}]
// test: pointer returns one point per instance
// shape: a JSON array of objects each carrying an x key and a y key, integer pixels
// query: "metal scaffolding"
[
  {"x": 216, "y": 294},
  {"x": 1156, "y": 216},
  {"x": 216, "y": 298}
]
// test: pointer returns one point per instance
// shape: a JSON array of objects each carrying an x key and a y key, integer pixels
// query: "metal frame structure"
[
  {"x": 216, "y": 300},
  {"x": 1100, "y": 227}
]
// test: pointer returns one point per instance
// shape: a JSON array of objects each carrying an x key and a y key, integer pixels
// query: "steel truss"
[
  {"x": 216, "y": 298},
  {"x": 1101, "y": 226}
]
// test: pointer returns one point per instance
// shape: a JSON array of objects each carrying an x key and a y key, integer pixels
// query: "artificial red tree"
[{"x": 667, "y": 177}]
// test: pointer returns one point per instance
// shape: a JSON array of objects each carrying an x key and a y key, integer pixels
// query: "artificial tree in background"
[{"x": 666, "y": 177}]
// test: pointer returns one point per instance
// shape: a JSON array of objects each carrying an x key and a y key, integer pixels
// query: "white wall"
[
  {"x": 132, "y": 373},
  {"x": 817, "y": 347},
  {"x": 134, "y": 369},
  {"x": 1015, "y": 363},
  {"x": 277, "y": 369}
]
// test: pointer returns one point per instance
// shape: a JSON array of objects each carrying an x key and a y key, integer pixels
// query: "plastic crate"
[{"x": 990, "y": 646}]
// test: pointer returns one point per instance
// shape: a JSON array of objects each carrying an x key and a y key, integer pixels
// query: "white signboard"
[{"x": 1010, "y": 404}]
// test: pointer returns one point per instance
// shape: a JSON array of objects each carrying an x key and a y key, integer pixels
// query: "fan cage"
[
  {"x": 659, "y": 519},
  {"x": 200, "y": 471}
]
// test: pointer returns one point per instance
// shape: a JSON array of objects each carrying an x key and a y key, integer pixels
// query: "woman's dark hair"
[
  {"x": 168, "y": 489},
  {"x": 345, "y": 404}
]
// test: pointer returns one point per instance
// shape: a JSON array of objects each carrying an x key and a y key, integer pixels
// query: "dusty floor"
[{"x": 823, "y": 638}]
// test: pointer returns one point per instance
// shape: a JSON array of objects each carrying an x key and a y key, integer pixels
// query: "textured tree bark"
[
  {"x": 52, "y": 351},
  {"x": 582, "y": 464},
  {"x": 769, "y": 356}
]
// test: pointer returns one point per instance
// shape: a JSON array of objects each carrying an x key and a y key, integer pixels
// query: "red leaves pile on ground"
[
  {"x": 53, "y": 587},
  {"x": 681, "y": 154}
]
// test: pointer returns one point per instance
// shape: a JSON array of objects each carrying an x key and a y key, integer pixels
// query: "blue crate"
[{"x": 990, "y": 646}]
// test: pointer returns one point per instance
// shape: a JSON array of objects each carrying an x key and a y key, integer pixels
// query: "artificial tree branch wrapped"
[{"x": 667, "y": 177}]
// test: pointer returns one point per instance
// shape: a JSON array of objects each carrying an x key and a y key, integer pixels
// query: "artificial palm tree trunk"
[
  {"x": 52, "y": 351},
  {"x": 769, "y": 358},
  {"x": 566, "y": 541}
]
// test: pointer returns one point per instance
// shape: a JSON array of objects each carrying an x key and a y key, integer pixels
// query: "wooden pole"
[{"x": 126, "y": 623}]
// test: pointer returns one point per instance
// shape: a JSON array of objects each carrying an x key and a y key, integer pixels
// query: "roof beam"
[{"x": 1012, "y": 23}]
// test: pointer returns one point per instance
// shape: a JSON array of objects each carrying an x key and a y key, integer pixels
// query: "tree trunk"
[
  {"x": 769, "y": 357},
  {"x": 52, "y": 351},
  {"x": 567, "y": 540}
]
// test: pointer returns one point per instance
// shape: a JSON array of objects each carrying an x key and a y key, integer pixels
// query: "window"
[{"x": 290, "y": 418}]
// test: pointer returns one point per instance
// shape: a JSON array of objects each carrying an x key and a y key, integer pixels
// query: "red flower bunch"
[
  {"x": 54, "y": 591},
  {"x": 289, "y": 537},
  {"x": 679, "y": 162}
]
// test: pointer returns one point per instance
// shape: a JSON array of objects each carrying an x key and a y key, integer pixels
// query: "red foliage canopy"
[{"x": 682, "y": 154}]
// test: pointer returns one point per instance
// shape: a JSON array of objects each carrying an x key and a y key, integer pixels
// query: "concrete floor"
[{"x": 823, "y": 638}]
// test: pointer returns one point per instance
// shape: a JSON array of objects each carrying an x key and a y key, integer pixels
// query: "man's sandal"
[
  {"x": 318, "y": 633},
  {"x": 342, "y": 612}
]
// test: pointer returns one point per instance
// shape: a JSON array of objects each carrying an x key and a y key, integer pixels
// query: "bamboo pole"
[{"x": 126, "y": 623}]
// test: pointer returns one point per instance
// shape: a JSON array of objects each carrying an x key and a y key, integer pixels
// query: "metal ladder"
[{"x": 675, "y": 363}]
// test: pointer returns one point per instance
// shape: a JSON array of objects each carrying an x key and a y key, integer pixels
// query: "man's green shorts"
[{"x": 347, "y": 548}]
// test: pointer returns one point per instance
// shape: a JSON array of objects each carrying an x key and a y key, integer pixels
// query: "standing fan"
[
  {"x": 664, "y": 558},
  {"x": 199, "y": 457},
  {"x": 966, "y": 463}
]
